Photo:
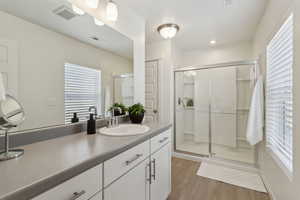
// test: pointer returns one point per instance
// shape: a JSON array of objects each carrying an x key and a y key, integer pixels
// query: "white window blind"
[
  {"x": 82, "y": 90},
  {"x": 279, "y": 95}
]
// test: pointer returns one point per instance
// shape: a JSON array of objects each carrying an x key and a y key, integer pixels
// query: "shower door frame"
[{"x": 253, "y": 63}]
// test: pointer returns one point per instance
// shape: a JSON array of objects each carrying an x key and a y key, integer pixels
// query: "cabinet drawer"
[
  {"x": 117, "y": 166},
  {"x": 158, "y": 141},
  {"x": 83, "y": 186}
]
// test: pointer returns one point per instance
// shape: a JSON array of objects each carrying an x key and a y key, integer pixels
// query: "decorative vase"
[{"x": 136, "y": 119}]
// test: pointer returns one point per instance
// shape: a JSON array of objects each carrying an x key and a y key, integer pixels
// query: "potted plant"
[
  {"x": 118, "y": 109},
  {"x": 136, "y": 113}
]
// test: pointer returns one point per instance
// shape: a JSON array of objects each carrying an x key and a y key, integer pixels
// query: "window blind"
[
  {"x": 82, "y": 90},
  {"x": 279, "y": 95}
]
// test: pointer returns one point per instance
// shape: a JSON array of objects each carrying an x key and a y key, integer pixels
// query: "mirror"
[
  {"x": 123, "y": 89},
  {"x": 57, "y": 63}
]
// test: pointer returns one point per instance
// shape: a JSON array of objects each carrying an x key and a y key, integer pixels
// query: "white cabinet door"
[
  {"x": 132, "y": 186},
  {"x": 161, "y": 173}
]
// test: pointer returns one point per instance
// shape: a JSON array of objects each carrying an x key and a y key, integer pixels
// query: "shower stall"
[{"x": 211, "y": 110}]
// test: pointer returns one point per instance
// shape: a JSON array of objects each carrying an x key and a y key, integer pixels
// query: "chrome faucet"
[{"x": 114, "y": 120}]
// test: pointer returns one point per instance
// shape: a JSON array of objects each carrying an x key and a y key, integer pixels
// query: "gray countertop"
[{"x": 51, "y": 162}]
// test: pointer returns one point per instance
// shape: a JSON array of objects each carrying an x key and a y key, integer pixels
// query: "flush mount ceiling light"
[
  {"x": 77, "y": 10},
  {"x": 92, "y": 3},
  {"x": 111, "y": 11},
  {"x": 168, "y": 31},
  {"x": 98, "y": 22}
]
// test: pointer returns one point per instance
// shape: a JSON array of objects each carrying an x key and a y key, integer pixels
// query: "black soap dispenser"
[
  {"x": 75, "y": 119},
  {"x": 91, "y": 125}
]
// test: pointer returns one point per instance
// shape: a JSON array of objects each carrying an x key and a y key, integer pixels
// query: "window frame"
[
  {"x": 98, "y": 101},
  {"x": 287, "y": 168}
]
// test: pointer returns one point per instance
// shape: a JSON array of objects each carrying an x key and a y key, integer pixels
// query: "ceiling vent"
[
  {"x": 228, "y": 3},
  {"x": 64, "y": 12}
]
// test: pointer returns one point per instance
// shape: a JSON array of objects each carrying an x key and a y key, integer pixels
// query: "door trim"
[{"x": 158, "y": 92}]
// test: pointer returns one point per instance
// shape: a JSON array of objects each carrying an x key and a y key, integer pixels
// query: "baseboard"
[{"x": 268, "y": 186}]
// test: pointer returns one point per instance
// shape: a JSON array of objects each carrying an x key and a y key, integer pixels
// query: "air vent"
[
  {"x": 64, "y": 12},
  {"x": 227, "y": 3},
  {"x": 94, "y": 38}
]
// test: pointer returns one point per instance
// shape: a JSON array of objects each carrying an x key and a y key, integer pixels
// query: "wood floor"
[{"x": 186, "y": 185}]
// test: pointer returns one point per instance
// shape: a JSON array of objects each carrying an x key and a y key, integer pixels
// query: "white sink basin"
[{"x": 125, "y": 130}]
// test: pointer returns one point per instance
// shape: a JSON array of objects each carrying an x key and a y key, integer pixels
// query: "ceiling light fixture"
[
  {"x": 111, "y": 11},
  {"x": 168, "y": 31},
  {"x": 98, "y": 22},
  {"x": 92, "y": 3},
  {"x": 213, "y": 42},
  {"x": 77, "y": 10}
]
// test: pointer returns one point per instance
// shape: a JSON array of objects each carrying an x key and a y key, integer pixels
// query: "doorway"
[{"x": 151, "y": 90}]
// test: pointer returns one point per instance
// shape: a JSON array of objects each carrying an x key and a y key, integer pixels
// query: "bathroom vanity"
[{"x": 96, "y": 167}]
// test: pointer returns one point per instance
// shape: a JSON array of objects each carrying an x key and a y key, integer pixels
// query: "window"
[
  {"x": 82, "y": 90},
  {"x": 279, "y": 95}
]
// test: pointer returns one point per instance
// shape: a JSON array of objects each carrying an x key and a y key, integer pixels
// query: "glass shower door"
[
  {"x": 211, "y": 112},
  {"x": 192, "y": 136},
  {"x": 230, "y": 101},
  {"x": 223, "y": 116}
]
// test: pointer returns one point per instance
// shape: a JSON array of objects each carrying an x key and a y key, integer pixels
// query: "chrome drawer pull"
[
  {"x": 154, "y": 169},
  {"x": 163, "y": 140},
  {"x": 128, "y": 162},
  {"x": 76, "y": 195},
  {"x": 150, "y": 171}
]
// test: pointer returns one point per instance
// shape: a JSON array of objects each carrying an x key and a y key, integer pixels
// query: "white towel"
[
  {"x": 2, "y": 88},
  {"x": 256, "y": 114}
]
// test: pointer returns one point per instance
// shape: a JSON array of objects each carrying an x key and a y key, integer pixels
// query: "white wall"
[
  {"x": 282, "y": 188},
  {"x": 218, "y": 54},
  {"x": 133, "y": 26},
  {"x": 42, "y": 54}
]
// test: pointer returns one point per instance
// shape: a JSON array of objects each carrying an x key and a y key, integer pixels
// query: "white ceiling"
[
  {"x": 201, "y": 20},
  {"x": 80, "y": 27}
]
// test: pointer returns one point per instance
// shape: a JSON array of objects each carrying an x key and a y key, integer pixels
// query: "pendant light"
[
  {"x": 92, "y": 3},
  {"x": 111, "y": 11},
  {"x": 77, "y": 10},
  {"x": 168, "y": 31},
  {"x": 98, "y": 22}
]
